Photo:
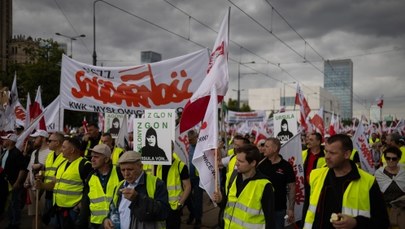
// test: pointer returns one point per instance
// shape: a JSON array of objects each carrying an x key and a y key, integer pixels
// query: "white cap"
[{"x": 40, "y": 133}]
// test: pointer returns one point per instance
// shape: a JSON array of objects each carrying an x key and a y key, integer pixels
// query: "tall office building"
[
  {"x": 150, "y": 57},
  {"x": 6, "y": 31},
  {"x": 338, "y": 80}
]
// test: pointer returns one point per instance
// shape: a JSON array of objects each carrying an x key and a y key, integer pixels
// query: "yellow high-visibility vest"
[
  {"x": 357, "y": 190},
  {"x": 246, "y": 210}
]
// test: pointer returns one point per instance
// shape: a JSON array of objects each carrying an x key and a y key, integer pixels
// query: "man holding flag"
[{"x": 250, "y": 199}]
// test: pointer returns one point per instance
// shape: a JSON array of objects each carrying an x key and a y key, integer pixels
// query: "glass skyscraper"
[{"x": 338, "y": 80}]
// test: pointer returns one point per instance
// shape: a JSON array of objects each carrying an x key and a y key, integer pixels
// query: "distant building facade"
[
  {"x": 272, "y": 99},
  {"x": 18, "y": 49},
  {"x": 338, "y": 80},
  {"x": 150, "y": 57},
  {"x": 6, "y": 31}
]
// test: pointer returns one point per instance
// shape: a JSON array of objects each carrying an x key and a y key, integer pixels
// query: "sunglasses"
[{"x": 391, "y": 158}]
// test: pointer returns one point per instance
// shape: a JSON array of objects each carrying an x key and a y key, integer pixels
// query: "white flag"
[
  {"x": 360, "y": 142},
  {"x": 204, "y": 154},
  {"x": 27, "y": 131},
  {"x": 122, "y": 138},
  {"x": 291, "y": 152},
  {"x": 53, "y": 116}
]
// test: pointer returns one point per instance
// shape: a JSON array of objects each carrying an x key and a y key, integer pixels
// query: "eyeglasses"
[{"x": 391, "y": 158}]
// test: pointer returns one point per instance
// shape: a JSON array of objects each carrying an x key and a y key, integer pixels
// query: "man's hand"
[
  {"x": 290, "y": 214},
  {"x": 129, "y": 193},
  {"x": 108, "y": 224},
  {"x": 344, "y": 222}
]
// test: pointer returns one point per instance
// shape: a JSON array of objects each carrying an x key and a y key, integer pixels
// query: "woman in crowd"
[{"x": 391, "y": 179}]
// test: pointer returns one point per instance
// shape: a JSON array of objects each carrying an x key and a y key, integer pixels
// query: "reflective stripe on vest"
[
  {"x": 69, "y": 185},
  {"x": 52, "y": 165},
  {"x": 173, "y": 182},
  {"x": 100, "y": 201},
  {"x": 245, "y": 211},
  {"x": 356, "y": 200}
]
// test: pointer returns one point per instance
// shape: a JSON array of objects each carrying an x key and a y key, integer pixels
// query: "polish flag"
[
  {"x": 204, "y": 155},
  {"x": 304, "y": 107},
  {"x": 317, "y": 121},
  {"x": 217, "y": 77},
  {"x": 36, "y": 109},
  {"x": 380, "y": 101},
  {"x": 27, "y": 110},
  {"x": 9, "y": 113},
  {"x": 332, "y": 130},
  {"x": 84, "y": 124}
]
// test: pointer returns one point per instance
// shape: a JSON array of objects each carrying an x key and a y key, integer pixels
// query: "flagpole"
[{"x": 216, "y": 170}]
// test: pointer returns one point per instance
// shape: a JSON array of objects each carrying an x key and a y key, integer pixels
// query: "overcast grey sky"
[{"x": 370, "y": 32}]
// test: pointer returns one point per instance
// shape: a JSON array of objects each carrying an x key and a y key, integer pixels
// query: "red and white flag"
[
  {"x": 217, "y": 77},
  {"x": 317, "y": 121},
  {"x": 380, "y": 101},
  {"x": 332, "y": 124},
  {"x": 84, "y": 124},
  {"x": 360, "y": 142},
  {"x": 36, "y": 109},
  {"x": 304, "y": 107},
  {"x": 9, "y": 114},
  {"x": 204, "y": 154},
  {"x": 400, "y": 127},
  {"x": 27, "y": 110}
]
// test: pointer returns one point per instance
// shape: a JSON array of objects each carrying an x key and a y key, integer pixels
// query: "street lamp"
[
  {"x": 251, "y": 62},
  {"x": 94, "y": 32},
  {"x": 71, "y": 41}
]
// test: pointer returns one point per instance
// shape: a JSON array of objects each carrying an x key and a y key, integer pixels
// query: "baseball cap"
[
  {"x": 40, "y": 133},
  {"x": 102, "y": 149},
  {"x": 11, "y": 137},
  {"x": 129, "y": 156}
]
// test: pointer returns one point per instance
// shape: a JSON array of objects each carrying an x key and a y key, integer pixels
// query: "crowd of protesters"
[{"x": 83, "y": 180}]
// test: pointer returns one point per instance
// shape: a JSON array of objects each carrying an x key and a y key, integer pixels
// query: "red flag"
[
  {"x": 217, "y": 76},
  {"x": 332, "y": 130},
  {"x": 317, "y": 121},
  {"x": 304, "y": 107},
  {"x": 380, "y": 101},
  {"x": 84, "y": 124},
  {"x": 36, "y": 109}
]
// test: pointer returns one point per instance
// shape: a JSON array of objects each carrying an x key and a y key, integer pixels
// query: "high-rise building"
[
  {"x": 338, "y": 80},
  {"x": 150, "y": 57},
  {"x": 6, "y": 31}
]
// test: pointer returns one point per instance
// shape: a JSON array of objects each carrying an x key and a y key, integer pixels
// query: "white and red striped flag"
[
  {"x": 332, "y": 130},
  {"x": 217, "y": 77},
  {"x": 304, "y": 107},
  {"x": 36, "y": 109},
  {"x": 204, "y": 154},
  {"x": 317, "y": 121},
  {"x": 380, "y": 101}
]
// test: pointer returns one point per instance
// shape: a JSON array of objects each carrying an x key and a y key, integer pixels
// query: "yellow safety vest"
[
  {"x": 68, "y": 189},
  {"x": 51, "y": 165},
  {"x": 231, "y": 152},
  {"x": 173, "y": 182},
  {"x": 229, "y": 171},
  {"x": 320, "y": 162},
  {"x": 150, "y": 188},
  {"x": 352, "y": 154},
  {"x": 356, "y": 200},
  {"x": 116, "y": 155},
  {"x": 371, "y": 142},
  {"x": 100, "y": 201},
  {"x": 246, "y": 210}
]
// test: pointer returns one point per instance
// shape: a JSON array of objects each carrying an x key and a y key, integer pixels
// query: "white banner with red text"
[{"x": 126, "y": 90}]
